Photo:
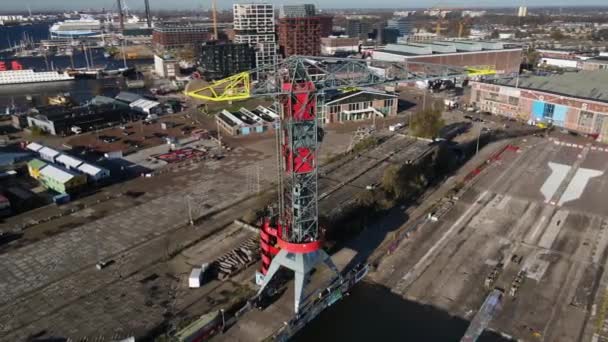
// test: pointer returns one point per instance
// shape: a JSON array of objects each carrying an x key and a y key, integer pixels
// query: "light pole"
[
  {"x": 219, "y": 136},
  {"x": 189, "y": 208}
]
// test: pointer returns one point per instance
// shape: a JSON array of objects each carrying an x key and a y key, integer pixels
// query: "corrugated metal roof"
[
  {"x": 34, "y": 146},
  {"x": 584, "y": 84},
  {"x": 144, "y": 104},
  {"x": 69, "y": 160},
  {"x": 56, "y": 173},
  {"x": 47, "y": 151}
]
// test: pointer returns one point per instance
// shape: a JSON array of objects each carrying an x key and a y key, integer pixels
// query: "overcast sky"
[{"x": 7, "y": 5}]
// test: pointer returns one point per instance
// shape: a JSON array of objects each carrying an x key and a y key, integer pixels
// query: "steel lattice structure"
[{"x": 298, "y": 84}]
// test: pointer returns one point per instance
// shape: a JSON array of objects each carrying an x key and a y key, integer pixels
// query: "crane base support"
[{"x": 301, "y": 264}]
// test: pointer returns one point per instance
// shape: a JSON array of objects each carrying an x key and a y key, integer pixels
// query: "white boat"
[
  {"x": 83, "y": 27},
  {"x": 31, "y": 76}
]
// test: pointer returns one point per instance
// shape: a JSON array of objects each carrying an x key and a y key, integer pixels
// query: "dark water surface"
[{"x": 373, "y": 313}]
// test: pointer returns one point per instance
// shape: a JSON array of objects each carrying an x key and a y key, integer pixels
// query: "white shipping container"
[{"x": 194, "y": 281}]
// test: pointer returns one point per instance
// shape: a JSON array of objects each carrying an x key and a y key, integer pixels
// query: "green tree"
[
  {"x": 390, "y": 179},
  {"x": 426, "y": 123},
  {"x": 531, "y": 57}
]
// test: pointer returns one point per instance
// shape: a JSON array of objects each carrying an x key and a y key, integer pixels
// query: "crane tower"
[
  {"x": 296, "y": 232},
  {"x": 291, "y": 239}
]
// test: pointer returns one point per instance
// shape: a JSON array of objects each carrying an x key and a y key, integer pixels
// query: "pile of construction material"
[
  {"x": 491, "y": 279},
  {"x": 237, "y": 259}
]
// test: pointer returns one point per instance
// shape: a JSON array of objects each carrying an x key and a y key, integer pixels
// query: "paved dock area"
[
  {"x": 539, "y": 210},
  {"x": 51, "y": 288}
]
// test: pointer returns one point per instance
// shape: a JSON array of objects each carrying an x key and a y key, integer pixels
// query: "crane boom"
[{"x": 326, "y": 73}]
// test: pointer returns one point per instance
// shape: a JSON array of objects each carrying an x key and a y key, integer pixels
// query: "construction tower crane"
[
  {"x": 298, "y": 84},
  {"x": 214, "y": 16}
]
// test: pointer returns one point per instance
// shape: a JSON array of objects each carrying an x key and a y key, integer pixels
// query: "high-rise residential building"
[
  {"x": 357, "y": 28},
  {"x": 522, "y": 11},
  {"x": 403, "y": 24},
  {"x": 327, "y": 25},
  {"x": 254, "y": 25},
  {"x": 299, "y": 31},
  {"x": 220, "y": 60}
]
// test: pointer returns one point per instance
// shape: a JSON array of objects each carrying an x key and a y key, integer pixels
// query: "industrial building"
[
  {"x": 57, "y": 120},
  {"x": 597, "y": 63},
  {"x": 127, "y": 97},
  {"x": 93, "y": 173},
  {"x": 174, "y": 35},
  {"x": 166, "y": 66},
  {"x": 299, "y": 31},
  {"x": 361, "y": 104},
  {"x": 254, "y": 25},
  {"x": 332, "y": 46},
  {"x": 146, "y": 106},
  {"x": 63, "y": 161},
  {"x": 219, "y": 60},
  {"x": 573, "y": 101},
  {"x": 476, "y": 54},
  {"x": 61, "y": 180},
  {"x": 245, "y": 122}
]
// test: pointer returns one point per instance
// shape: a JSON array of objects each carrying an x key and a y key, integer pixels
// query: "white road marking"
[
  {"x": 532, "y": 236},
  {"x": 558, "y": 173},
  {"x": 578, "y": 183}
]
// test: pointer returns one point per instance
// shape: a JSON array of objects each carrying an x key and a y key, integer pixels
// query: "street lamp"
[{"x": 189, "y": 208}]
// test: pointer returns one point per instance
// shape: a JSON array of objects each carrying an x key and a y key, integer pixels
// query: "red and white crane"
[{"x": 291, "y": 239}]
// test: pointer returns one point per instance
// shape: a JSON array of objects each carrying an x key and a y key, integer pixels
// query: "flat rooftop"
[{"x": 584, "y": 84}]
